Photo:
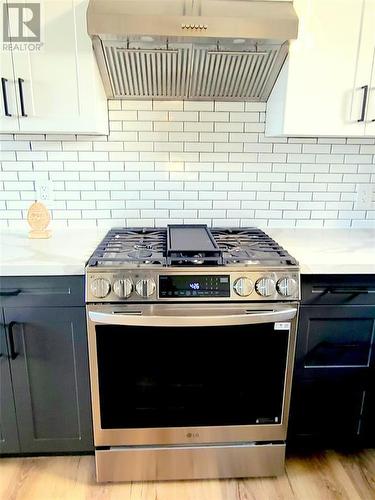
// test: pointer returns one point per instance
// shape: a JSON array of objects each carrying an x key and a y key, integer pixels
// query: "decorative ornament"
[{"x": 38, "y": 218}]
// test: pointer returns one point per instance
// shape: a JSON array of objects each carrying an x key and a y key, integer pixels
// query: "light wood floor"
[{"x": 325, "y": 476}]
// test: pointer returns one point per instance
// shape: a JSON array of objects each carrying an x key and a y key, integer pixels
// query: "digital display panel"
[{"x": 188, "y": 286}]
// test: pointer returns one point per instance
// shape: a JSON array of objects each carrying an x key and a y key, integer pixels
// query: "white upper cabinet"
[
  {"x": 58, "y": 87},
  {"x": 324, "y": 88},
  {"x": 8, "y": 108},
  {"x": 368, "y": 40}
]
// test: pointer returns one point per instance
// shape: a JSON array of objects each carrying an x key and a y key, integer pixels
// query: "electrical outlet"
[
  {"x": 365, "y": 197},
  {"x": 44, "y": 190}
]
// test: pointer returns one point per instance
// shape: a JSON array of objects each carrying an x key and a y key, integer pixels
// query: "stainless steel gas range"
[{"x": 191, "y": 342}]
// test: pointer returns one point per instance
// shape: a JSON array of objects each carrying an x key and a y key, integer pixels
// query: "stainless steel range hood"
[{"x": 191, "y": 49}]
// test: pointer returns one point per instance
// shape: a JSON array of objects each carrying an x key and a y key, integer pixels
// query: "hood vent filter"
[{"x": 190, "y": 72}]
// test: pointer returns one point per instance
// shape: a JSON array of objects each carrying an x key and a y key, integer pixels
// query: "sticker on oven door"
[{"x": 282, "y": 326}]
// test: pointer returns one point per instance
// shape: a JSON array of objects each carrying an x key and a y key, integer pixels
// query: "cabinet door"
[
  {"x": 59, "y": 85},
  {"x": 334, "y": 355},
  {"x": 319, "y": 88},
  {"x": 50, "y": 379},
  {"x": 8, "y": 424},
  {"x": 325, "y": 412},
  {"x": 50, "y": 84},
  {"x": 333, "y": 338},
  {"x": 368, "y": 421},
  {"x": 368, "y": 38},
  {"x": 8, "y": 107}
]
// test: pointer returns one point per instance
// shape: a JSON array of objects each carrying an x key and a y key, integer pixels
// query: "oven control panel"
[
  {"x": 194, "y": 286},
  {"x": 138, "y": 285}
]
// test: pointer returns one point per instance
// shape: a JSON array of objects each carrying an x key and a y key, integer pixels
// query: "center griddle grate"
[{"x": 192, "y": 244}]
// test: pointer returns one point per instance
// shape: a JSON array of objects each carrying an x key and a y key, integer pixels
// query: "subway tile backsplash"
[{"x": 183, "y": 162}]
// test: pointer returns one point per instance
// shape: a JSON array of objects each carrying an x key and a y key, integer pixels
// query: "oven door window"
[{"x": 206, "y": 376}]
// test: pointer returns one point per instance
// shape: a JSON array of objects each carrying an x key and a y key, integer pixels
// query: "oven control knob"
[
  {"x": 286, "y": 286},
  {"x": 100, "y": 288},
  {"x": 243, "y": 287},
  {"x": 123, "y": 288},
  {"x": 145, "y": 287},
  {"x": 265, "y": 287}
]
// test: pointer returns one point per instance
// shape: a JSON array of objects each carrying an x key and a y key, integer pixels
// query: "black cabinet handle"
[
  {"x": 364, "y": 103},
  {"x": 351, "y": 291},
  {"x": 10, "y": 293},
  {"x": 13, "y": 354},
  {"x": 22, "y": 102},
  {"x": 5, "y": 97}
]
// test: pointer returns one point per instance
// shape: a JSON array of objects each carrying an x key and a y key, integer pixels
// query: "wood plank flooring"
[{"x": 324, "y": 476}]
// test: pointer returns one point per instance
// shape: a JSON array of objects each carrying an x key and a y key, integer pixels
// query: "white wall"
[{"x": 186, "y": 161}]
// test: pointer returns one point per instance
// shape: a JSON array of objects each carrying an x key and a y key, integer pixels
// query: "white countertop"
[
  {"x": 65, "y": 253},
  {"x": 329, "y": 251},
  {"x": 319, "y": 251}
]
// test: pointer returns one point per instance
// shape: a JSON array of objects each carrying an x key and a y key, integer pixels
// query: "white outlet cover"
[
  {"x": 365, "y": 197},
  {"x": 44, "y": 191}
]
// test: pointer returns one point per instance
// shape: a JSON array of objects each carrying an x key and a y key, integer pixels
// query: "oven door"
[{"x": 190, "y": 373}]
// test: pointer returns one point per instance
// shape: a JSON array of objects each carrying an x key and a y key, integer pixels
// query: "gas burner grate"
[
  {"x": 250, "y": 246},
  {"x": 131, "y": 246}
]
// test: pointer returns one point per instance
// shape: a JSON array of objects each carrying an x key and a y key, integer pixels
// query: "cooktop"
[{"x": 189, "y": 245}]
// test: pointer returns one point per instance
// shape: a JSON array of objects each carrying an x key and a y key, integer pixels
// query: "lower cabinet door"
[
  {"x": 368, "y": 421},
  {"x": 50, "y": 378},
  {"x": 9, "y": 442},
  {"x": 325, "y": 413},
  {"x": 335, "y": 337},
  {"x": 334, "y": 355}
]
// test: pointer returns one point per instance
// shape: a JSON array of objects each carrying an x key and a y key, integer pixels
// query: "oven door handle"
[{"x": 246, "y": 317}]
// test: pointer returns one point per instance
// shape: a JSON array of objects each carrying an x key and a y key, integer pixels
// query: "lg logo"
[
  {"x": 21, "y": 23},
  {"x": 192, "y": 435}
]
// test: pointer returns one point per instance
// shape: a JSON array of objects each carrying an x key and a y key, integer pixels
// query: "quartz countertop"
[
  {"x": 319, "y": 251},
  {"x": 329, "y": 251},
  {"x": 65, "y": 253}
]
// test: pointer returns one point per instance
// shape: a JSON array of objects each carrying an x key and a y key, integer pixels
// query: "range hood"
[{"x": 191, "y": 49}]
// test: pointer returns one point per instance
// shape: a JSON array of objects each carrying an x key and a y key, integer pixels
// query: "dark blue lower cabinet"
[
  {"x": 9, "y": 442},
  {"x": 50, "y": 379},
  {"x": 326, "y": 413},
  {"x": 333, "y": 389},
  {"x": 368, "y": 421}
]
